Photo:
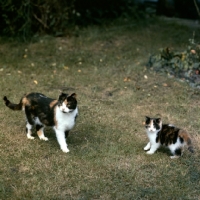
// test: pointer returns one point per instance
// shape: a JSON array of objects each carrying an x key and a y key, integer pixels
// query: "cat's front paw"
[
  {"x": 30, "y": 137},
  {"x": 65, "y": 150},
  {"x": 150, "y": 152},
  {"x": 44, "y": 138}
]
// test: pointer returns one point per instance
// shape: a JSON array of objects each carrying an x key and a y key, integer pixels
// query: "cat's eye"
[{"x": 147, "y": 126}]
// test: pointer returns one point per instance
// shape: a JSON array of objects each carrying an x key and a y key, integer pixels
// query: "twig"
[
  {"x": 40, "y": 21},
  {"x": 197, "y": 8}
]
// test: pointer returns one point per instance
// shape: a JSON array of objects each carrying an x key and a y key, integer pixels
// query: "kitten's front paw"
[
  {"x": 174, "y": 157},
  {"x": 65, "y": 150},
  {"x": 150, "y": 152},
  {"x": 146, "y": 148}
]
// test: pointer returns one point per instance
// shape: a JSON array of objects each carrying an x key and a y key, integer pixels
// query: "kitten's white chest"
[
  {"x": 65, "y": 121},
  {"x": 152, "y": 136}
]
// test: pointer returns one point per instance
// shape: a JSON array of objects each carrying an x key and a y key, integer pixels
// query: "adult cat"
[
  {"x": 167, "y": 135},
  {"x": 43, "y": 111}
]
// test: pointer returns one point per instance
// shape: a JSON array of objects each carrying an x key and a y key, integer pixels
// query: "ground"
[{"x": 106, "y": 67}]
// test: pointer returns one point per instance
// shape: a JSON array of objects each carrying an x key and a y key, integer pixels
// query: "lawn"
[{"x": 106, "y": 67}]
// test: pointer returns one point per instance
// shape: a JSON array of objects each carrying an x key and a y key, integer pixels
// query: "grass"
[{"x": 105, "y": 66}]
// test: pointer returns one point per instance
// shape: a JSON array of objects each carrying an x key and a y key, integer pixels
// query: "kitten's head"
[
  {"x": 67, "y": 103},
  {"x": 153, "y": 124}
]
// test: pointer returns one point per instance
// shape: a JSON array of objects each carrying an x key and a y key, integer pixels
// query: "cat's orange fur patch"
[
  {"x": 65, "y": 101},
  {"x": 53, "y": 103},
  {"x": 40, "y": 132},
  {"x": 25, "y": 102},
  {"x": 183, "y": 134}
]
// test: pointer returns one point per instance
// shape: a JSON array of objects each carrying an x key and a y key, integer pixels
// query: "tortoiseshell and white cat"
[
  {"x": 43, "y": 111},
  {"x": 166, "y": 135}
]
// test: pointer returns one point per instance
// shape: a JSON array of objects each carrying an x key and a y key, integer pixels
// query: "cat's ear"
[
  {"x": 62, "y": 96},
  {"x": 73, "y": 95}
]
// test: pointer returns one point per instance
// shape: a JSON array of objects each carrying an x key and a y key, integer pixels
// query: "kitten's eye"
[{"x": 147, "y": 126}]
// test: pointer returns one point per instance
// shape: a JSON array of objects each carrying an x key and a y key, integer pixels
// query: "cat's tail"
[
  {"x": 13, "y": 106},
  {"x": 184, "y": 135}
]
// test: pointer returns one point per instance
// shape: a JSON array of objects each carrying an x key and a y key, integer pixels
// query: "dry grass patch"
[{"x": 115, "y": 92}]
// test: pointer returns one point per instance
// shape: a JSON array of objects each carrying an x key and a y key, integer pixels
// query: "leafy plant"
[{"x": 185, "y": 64}]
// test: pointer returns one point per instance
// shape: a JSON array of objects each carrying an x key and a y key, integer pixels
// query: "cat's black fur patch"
[{"x": 178, "y": 152}]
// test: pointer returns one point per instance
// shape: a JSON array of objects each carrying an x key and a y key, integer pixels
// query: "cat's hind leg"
[
  {"x": 176, "y": 153},
  {"x": 40, "y": 132},
  {"x": 29, "y": 131},
  {"x": 29, "y": 124},
  {"x": 148, "y": 146}
]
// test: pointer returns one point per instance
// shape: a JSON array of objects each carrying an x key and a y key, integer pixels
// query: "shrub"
[{"x": 27, "y": 17}]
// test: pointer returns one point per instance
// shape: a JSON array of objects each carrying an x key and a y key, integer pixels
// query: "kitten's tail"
[
  {"x": 184, "y": 135},
  {"x": 13, "y": 106}
]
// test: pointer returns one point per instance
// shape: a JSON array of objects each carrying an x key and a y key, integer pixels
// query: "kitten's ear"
[
  {"x": 158, "y": 120},
  {"x": 73, "y": 95},
  {"x": 147, "y": 118},
  {"x": 147, "y": 121}
]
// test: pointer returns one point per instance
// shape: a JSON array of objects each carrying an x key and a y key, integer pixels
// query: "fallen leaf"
[
  {"x": 79, "y": 70},
  {"x": 127, "y": 79},
  {"x": 35, "y": 82},
  {"x": 138, "y": 87},
  {"x": 145, "y": 76},
  {"x": 66, "y": 67}
]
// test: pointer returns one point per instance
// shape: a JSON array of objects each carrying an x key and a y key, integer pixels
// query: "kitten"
[
  {"x": 166, "y": 135},
  {"x": 43, "y": 111}
]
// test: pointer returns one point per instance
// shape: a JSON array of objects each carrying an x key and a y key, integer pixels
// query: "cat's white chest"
[{"x": 65, "y": 121}]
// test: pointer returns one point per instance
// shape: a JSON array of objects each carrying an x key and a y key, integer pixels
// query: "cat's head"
[
  {"x": 153, "y": 124},
  {"x": 67, "y": 103}
]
